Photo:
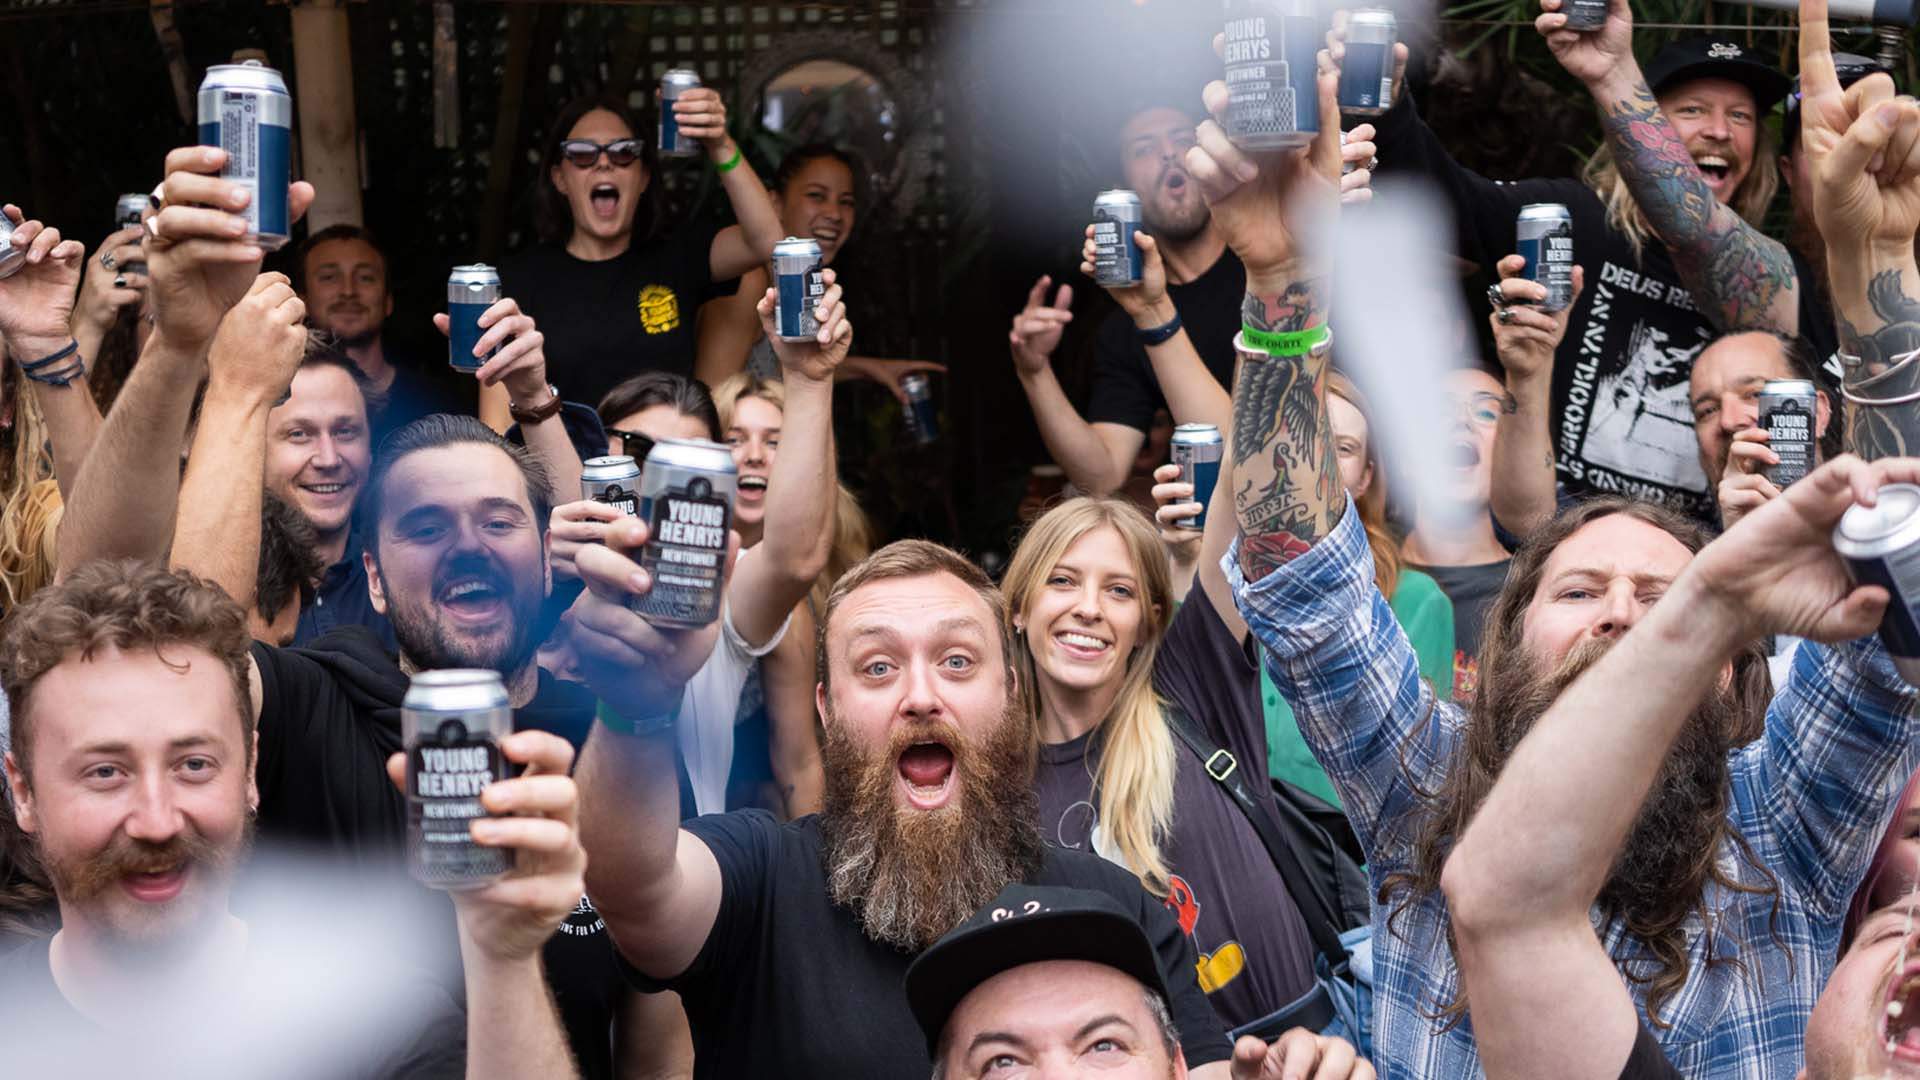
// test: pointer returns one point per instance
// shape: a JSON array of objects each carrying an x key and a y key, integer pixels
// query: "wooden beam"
[
  {"x": 171, "y": 47},
  {"x": 506, "y": 133},
  {"x": 323, "y": 100}
]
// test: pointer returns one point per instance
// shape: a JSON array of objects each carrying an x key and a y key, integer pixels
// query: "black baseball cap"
[
  {"x": 1711, "y": 57},
  {"x": 1026, "y": 924}
]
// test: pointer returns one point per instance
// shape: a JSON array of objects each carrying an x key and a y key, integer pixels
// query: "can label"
[
  {"x": 259, "y": 157},
  {"x": 1272, "y": 99},
  {"x": 1789, "y": 424},
  {"x": 799, "y": 295},
  {"x": 1549, "y": 258},
  {"x": 618, "y": 497},
  {"x": 446, "y": 770},
  {"x": 1898, "y": 572},
  {"x": 1366, "y": 76},
  {"x": 463, "y": 333},
  {"x": 923, "y": 420},
  {"x": 1586, "y": 14},
  {"x": 1204, "y": 475},
  {"x": 1116, "y": 258},
  {"x": 685, "y": 554}
]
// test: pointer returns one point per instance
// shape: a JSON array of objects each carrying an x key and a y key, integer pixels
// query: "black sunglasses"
[
  {"x": 585, "y": 153},
  {"x": 633, "y": 444}
]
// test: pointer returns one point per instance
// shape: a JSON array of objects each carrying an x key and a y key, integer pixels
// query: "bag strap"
[{"x": 1220, "y": 764}]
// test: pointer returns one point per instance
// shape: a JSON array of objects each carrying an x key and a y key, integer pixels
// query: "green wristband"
[
  {"x": 1286, "y": 343},
  {"x": 652, "y": 725},
  {"x": 731, "y": 163}
]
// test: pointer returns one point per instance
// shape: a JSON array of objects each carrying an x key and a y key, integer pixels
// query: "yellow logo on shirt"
[{"x": 659, "y": 309}]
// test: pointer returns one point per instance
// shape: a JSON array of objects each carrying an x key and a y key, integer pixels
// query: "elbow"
[{"x": 1476, "y": 904}]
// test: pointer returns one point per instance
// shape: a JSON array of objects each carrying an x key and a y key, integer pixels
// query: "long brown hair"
[
  {"x": 1387, "y": 559},
  {"x": 1499, "y": 719},
  {"x": 1750, "y": 200}
]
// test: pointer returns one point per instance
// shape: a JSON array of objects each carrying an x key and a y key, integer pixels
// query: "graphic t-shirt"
[
  {"x": 788, "y": 985},
  {"x": 1622, "y": 420},
  {"x": 1473, "y": 590},
  {"x": 1254, "y": 952},
  {"x": 606, "y": 321},
  {"x": 1124, "y": 388}
]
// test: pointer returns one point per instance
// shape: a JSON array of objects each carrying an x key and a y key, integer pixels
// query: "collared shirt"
[
  {"x": 1811, "y": 797},
  {"x": 341, "y": 600}
]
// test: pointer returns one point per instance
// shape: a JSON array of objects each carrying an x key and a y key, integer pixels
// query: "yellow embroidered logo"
[{"x": 659, "y": 309}]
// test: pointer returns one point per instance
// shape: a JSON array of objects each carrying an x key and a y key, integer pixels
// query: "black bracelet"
[
  {"x": 62, "y": 377},
  {"x": 1159, "y": 335},
  {"x": 31, "y": 366}
]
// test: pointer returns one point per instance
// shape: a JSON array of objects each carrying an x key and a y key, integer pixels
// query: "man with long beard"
[
  {"x": 1748, "y": 855},
  {"x": 788, "y": 943}
]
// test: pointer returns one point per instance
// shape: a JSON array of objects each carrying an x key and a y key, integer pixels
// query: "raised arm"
[
  {"x": 1524, "y": 339},
  {"x": 110, "y": 285},
  {"x": 787, "y": 674},
  {"x": 798, "y": 532},
  {"x": 1554, "y": 824},
  {"x": 1193, "y": 395},
  {"x": 520, "y": 370},
  {"x": 1740, "y": 278},
  {"x": 199, "y": 266},
  {"x": 729, "y": 328},
  {"x": 657, "y": 887},
  {"x": 249, "y": 367},
  {"x": 737, "y": 248},
  {"x": 1096, "y": 457},
  {"x": 36, "y": 306}
]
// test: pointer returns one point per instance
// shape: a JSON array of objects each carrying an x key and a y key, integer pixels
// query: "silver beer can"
[
  {"x": 1198, "y": 450},
  {"x": 12, "y": 259},
  {"x": 686, "y": 498},
  {"x": 1273, "y": 100},
  {"x": 800, "y": 277},
  {"x": 1789, "y": 412},
  {"x": 471, "y": 290},
  {"x": 131, "y": 209},
  {"x": 245, "y": 110},
  {"x": 1366, "y": 73},
  {"x": 1881, "y": 546},
  {"x": 451, "y": 724},
  {"x": 671, "y": 143},
  {"x": 1544, "y": 236},
  {"x": 1116, "y": 258},
  {"x": 613, "y": 480}
]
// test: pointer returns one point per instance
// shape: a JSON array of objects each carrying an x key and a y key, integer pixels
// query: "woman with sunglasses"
[{"x": 614, "y": 290}]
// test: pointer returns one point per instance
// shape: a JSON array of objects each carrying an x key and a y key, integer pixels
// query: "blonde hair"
[
  {"x": 30, "y": 505},
  {"x": 1134, "y": 786},
  {"x": 1387, "y": 559},
  {"x": 852, "y": 529},
  {"x": 1750, "y": 200}
]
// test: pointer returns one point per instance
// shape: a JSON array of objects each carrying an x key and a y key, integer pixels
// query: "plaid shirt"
[{"x": 1812, "y": 797}]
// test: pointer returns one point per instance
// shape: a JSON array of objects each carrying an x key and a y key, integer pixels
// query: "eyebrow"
[
  {"x": 1738, "y": 384},
  {"x": 1099, "y": 1022},
  {"x": 120, "y": 746},
  {"x": 1599, "y": 574},
  {"x": 491, "y": 502},
  {"x": 955, "y": 623}
]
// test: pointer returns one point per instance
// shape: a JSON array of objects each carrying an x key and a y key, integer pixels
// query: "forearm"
[
  {"x": 548, "y": 440},
  {"x": 801, "y": 490},
  {"x": 513, "y": 1025},
  {"x": 1286, "y": 480},
  {"x": 73, "y": 422},
  {"x": 1877, "y": 313},
  {"x": 729, "y": 329},
  {"x": 493, "y": 408},
  {"x": 1523, "y": 489},
  {"x": 630, "y": 821},
  {"x": 788, "y": 672},
  {"x": 217, "y": 535},
  {"x": 1193, "y": 395},
  {"x": 123, "y": 499},
  {"x": 1739, "y": 277},
  {"x": 1089, "y": 463},
  {"x": 742, "y": 247}
]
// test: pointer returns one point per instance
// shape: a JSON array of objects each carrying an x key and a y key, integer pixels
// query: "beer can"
[
  {"x": 1585, "y": 15},
  {"x": 1273, "y": 100},
  {"x": 798, "y": 274},
  {"x": 923, "y": 419},
  {"x": 451, "y": 724},
  {"x": 613, "y": 480},
  {"x": 471, "y": 290},
  {"x": 1116, "y": 258},
  {"x": 1366, "y": 73},
  {"x": 686, "y": 497},
  {"x": 1198, "y": 450},
  {"x": 12, "y": 259},
  {"x": 131, "y": 209},
  {"x": 1789, "y": 412},
  {"x": 1881, "y": 546},
  {"x": 246, "y": 111},
  {"x": 1545, "y": 240},
  {"x": 673, "y": 84}
]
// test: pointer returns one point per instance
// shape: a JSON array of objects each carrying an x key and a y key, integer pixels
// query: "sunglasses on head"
[
  {"x": 633, "y": 444},
  {"x": 585, "y": 153}
]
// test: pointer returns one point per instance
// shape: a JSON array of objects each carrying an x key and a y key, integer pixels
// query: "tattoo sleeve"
[
  {"x": 1740, "y": 278},
  {"x": 1286, "y": 480},
  {"x": 1893, "y": 333}
]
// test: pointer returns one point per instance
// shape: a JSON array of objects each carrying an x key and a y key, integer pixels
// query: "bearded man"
[{"x": 788, "y": 943}]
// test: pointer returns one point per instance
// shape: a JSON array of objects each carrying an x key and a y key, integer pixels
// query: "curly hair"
[{"x": 30, "y": 505}]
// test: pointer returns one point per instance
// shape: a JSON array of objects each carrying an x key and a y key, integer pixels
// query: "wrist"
[
  {"x": 26, "y": 348},
  {"x": 1622, "y": 81},
  {"x": 722, "y": 150},
  {"x": 237, "y": 394},
  {"x": 1276, "y": 279},
  {"x": 634, "y": 721},
  {"x": 1529, "y": 387},
  {"x": 1154, "y": 313},
  {"x": 1707, "y": 617}
]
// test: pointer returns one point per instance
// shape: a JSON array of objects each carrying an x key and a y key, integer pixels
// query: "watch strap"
[{"x": 537, "y": 413}]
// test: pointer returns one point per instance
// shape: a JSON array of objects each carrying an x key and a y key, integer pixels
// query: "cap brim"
[
  {"x": 1768, "y": 86},
  {"x": 945, "y": 974}
]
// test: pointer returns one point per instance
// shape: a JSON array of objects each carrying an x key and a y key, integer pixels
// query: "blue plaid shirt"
[{"x": 1812, "y": 797}]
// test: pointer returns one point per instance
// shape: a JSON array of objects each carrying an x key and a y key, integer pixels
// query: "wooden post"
[
  {"x": 506, "y": 132},
  {"x": 175, "y": 51},
  {"x": 323, "y": 100}
]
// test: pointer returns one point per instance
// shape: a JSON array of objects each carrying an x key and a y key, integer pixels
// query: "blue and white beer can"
[{"x": 245, "y": 110}]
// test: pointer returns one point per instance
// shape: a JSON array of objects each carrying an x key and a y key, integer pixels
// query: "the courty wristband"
[
  {"x": 657, "y": 724},
  {"x": 1285, "y": 342},
  {"x": 731, "y": 163}
]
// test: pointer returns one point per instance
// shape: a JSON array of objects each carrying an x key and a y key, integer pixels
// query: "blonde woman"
[{"x": 1109, "y": 669}]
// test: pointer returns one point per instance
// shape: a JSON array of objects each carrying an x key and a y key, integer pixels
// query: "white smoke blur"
[
  {"x": 1398, "y": 324},
  {"x": 345, "y": 973}
]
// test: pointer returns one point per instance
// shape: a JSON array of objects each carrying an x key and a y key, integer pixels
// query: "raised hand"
[
  {"x": 702, "y": 115},
  {"x": 1592, "y": 56},
  {"x": 260, "y": 343},
  {"x": 1862, "y": 147},
  {"x": 1744, "y": 486},
  {"x": 1524, "y": 337},
  {"x": 888, "y": 373},
  {"x": 1357, "y": 157},
  {"x": 1297, "y": 1055},
  {"x": 115, "y": 278},
  {"x": 575, "y": 525},
  {"x": 198, "y": 260},
  {"x": 1337, "y": 51},
  {"x": 1146, "y": 300},
  {"x": 1037, "y": 329},
  {"x": 819, "y": 358},
  {"x": 1173, "y": 502},
  {"x": 521, "y": 363},
  {"x": 36, "y": 303}
]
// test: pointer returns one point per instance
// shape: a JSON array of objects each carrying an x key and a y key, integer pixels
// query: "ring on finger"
[
  {"x": 1496, "y": 297},
  {"x": 1373, "y": 164},
  {"x": 152, "y": 225},
  {"x": 119, "y": 281},
  {"x": 1505, "y": 315},
  {"x": 106, "y": 260}
]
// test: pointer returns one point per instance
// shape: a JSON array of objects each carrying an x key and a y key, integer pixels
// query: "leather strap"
[{"x": 537, "y": 413}]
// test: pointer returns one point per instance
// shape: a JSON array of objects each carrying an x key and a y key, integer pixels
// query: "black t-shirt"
[
  {"x": 1124, "y": 388},
  {"x": 329, "y": 718},
  {"x": 1647, "y": 1061},
  {"x": 1473, "y": 589},
  {"x": 1255, "y": 955},
  {"x": 1622, "y": 417},
  {"x": 788, "y": 985},
  {"x": 387, "y": 1028},
  {"x": 605, "y": 321},
  {"x": 414, "y": 393}
]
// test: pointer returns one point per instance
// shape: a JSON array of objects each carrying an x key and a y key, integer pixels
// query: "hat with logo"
[
  {"x": 1026, "y": 924},
  {"x": 1717, "y": 58}
]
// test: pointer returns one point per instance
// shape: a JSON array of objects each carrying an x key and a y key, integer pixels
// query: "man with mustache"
[
  {"x": 1748, "y": 855},
  {"x": 1725, "y": 385},
  {"x": 344, "y": 283},
  {"x": 132, "y": 770},
  {"x": 787, "y": 943}
]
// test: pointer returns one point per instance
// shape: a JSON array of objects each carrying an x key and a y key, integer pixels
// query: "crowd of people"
[{"x": 1585, "y": 758}]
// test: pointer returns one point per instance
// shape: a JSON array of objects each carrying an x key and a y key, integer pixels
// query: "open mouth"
[
  {"x": 606, "y": 200},
  {"x": 155, "y": 886},
  {"x": 827, "y": 234},
  {"x": 749, "y": 484},
  {"x": 926, "y": 771},
  {"x": 1714, "y": 167},
  {"x": 326, "y": 491},
  {"x": 1900, "y": 1020},
  {"x": 473, "y": 597},
  {"x": 1175, "y": 182},
  {"x": 1081, "y": 645},
  {"x": 1463, "y": 455}
]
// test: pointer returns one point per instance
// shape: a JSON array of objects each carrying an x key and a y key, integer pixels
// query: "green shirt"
[{"x": 1426, "y": 615}]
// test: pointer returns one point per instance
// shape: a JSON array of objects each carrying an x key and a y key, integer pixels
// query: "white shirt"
[{"x": 709, "y": 706}]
